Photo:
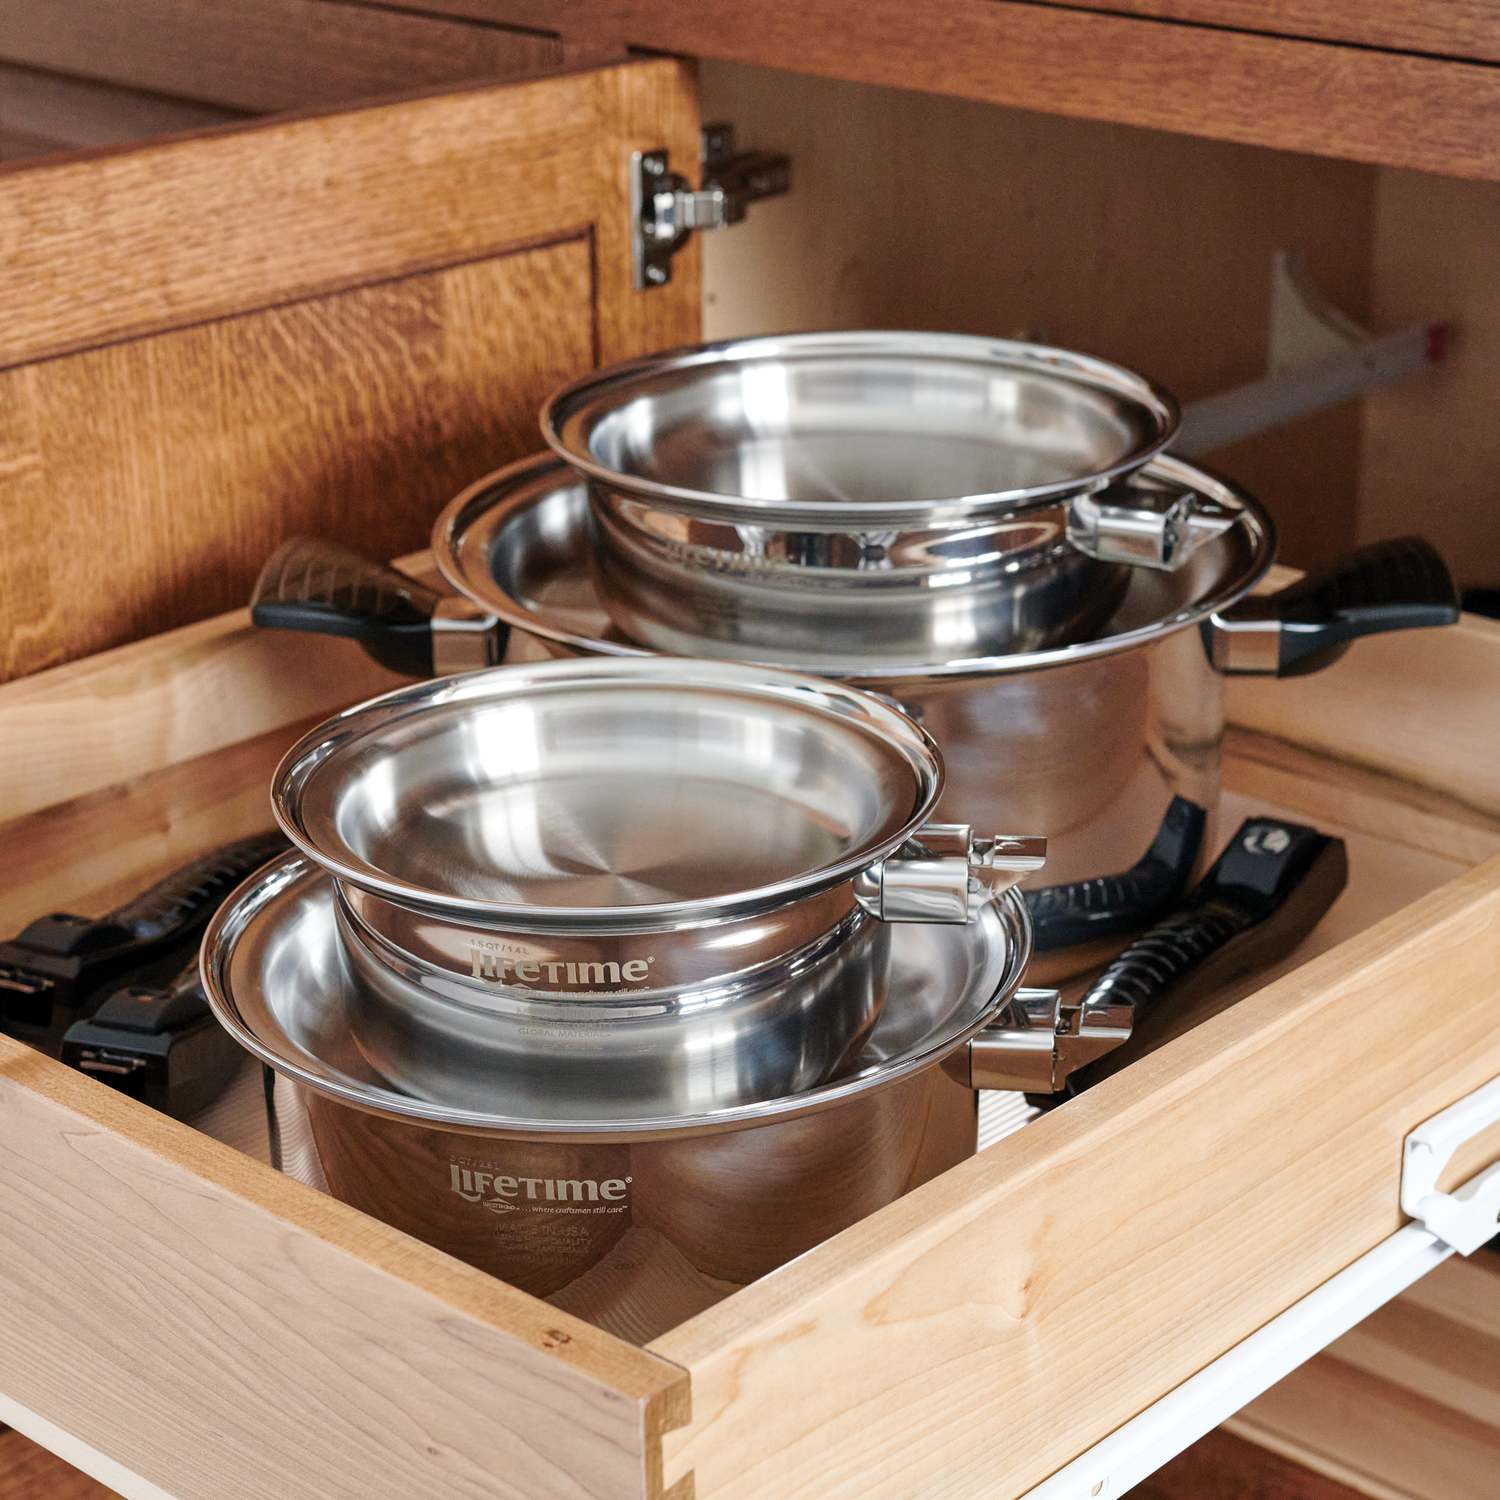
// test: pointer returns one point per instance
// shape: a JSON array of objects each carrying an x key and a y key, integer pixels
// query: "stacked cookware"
[{"x": 607, "y": 948}]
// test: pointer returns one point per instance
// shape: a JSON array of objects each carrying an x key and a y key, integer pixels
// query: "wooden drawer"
[{"x": 215, "y": 1329}]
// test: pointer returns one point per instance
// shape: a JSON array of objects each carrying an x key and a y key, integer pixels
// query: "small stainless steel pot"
[
  {"x": 669, "y": 879},
  {"x": 820, "y": 498},
  {"x": 542, "y": 1186}
]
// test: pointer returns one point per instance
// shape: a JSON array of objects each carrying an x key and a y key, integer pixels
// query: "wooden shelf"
[{"x": 1397, "y": 84}]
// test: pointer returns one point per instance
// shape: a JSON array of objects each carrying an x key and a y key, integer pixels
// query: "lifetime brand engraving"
[
  {"x": 495, "y": 968},
  {"x": 501, "y": 1193}
]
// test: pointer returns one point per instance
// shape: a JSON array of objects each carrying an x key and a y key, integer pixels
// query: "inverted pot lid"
[
  {"x": 518, "y": 543},
  {"x": 848, "y": 430},
  {"x": 643, "y": 792},
  {"x": 277, "y": 979}
]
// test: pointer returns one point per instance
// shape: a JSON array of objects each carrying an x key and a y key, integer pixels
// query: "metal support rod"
[{"x": 1247, "y": 409}]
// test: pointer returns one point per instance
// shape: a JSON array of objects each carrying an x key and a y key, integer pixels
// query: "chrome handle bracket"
[
  {"x": 940, "y": 869},
  {"x": 1037, "y": 1043},
  {"x": 1146, "y": 526}
]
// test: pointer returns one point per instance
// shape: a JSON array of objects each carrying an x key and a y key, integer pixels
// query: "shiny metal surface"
[
  {"x": 519, "y": 543},
  {"x": 750, "y": 593},
  {"x": 280, "y": 981},
  {"x": 858, "y": 430},
  {"x": 1090, "y": 742},
  {"x": 780, "y": 1029},
  {"x": 607, "y": 796},
  {"x": 1155, "y": 526}
]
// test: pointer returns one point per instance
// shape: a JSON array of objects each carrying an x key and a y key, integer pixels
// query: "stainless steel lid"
[
  {"x": 519, "y": 543},
  {"x": 608, "y": 795},
  {"x": 278, "y": 979},
  {"x": 843, "y": 430}
]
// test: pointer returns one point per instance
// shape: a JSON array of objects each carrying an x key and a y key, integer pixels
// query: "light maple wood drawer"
[{"x": 179, "y": 1311}]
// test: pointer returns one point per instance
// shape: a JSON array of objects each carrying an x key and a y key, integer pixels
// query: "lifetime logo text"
[
  {"x": 473, "y": 1186},
  {"x": 495, "y": 968}
]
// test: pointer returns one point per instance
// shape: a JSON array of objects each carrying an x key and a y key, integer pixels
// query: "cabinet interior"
[{"x": 914, "y": 210}]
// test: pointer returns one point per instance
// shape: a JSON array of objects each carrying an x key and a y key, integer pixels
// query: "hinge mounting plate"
[{"x": 664, "y": 209}]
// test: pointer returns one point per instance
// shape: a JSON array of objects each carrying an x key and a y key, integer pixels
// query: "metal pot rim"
[
  {"x": 906, "y": 741},
  {"x": 571, "y": 414},
  {"x": 253, "y": 903},
  {"x": 512, "y": 489}
]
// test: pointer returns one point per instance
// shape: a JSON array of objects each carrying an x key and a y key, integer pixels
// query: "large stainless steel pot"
[
  {"x": 894, "y": 497},
  {"x": 1111, "y": 744},
  {"x": 651, "y": 879}
]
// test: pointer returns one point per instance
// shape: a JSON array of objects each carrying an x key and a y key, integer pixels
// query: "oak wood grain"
[
  {"x": 325, "y": 325},
  {"x": 263, "y": 56},
  {"x": 73, "y": 112},
  {"x": 1443, "y": 28},
  {"x": 1393, "y": 107},
  {"x": 1246, "y": 1162}
]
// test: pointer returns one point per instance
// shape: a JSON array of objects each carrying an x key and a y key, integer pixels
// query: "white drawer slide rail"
[{"x": 1461, "y": 1221}]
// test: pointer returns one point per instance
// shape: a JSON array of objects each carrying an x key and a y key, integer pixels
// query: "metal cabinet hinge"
[{"x": 665, "y": 210}]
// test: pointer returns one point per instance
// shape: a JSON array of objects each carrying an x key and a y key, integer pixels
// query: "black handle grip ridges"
[
  {"x": 175, "y": 905},
  {"x": 1082, "y": 911},
  {"x": 312, "y": 584},
  {"x": 1398, "y": 584}
]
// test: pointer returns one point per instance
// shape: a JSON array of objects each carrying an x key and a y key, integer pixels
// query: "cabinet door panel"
[{"x": 327, "y": 324}]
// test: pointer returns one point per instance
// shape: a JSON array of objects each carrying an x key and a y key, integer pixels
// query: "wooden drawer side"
[
  {"x": 952, "y": 1344},
  {"x": 222, "y": 1330}
]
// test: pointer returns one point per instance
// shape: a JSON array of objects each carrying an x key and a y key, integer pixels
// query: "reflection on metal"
[
  {"x": 1153, "y": 526},
  {"x": 1319, "y": 357}
]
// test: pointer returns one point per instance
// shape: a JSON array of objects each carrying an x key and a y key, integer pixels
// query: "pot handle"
[
  {"x": 1261, "y": 897},
  {"x": 1145, "y": 522},
  {"x": 937, "y": 873},
  {"x": 1064, "y": 916},
  {"x": 1400, "y": 584},
  {"x": 311, "y": 584}
]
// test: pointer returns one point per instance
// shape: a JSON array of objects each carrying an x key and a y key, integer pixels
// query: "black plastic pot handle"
[
  {"x": 60, "y": 965},
  {"x": 1400, "y": 584},
  {"x": 1259, "y": 899},
  {"x": 1063, "y": 916},
  {"x": 311, "y": 584}
]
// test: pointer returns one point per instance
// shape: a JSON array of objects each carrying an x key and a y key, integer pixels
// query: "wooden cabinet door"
[{"x": 325, "y": 323}]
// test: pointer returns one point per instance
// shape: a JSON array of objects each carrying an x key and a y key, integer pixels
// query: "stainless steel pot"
[
  {"x": 821, "y": 498},
  {"x": 665, "y": 880},
  {"x": 545, "y": 1189},
  {"x": 540, "y": 1186}
]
